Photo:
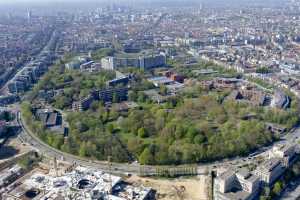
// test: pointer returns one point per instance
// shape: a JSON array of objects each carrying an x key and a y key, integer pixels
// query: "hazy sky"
[
  {"x": 73, "y": 3},
  {"x": 83, "y": 1}
]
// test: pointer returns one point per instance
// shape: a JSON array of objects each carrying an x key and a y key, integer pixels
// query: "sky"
[
  {"x": 74, "y": 3},
  {"x": 47, "y": 1},
  {"x": 45, "y": 7}
]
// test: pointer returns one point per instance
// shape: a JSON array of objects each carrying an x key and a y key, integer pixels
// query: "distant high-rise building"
[
  {"x": 201, "y": 6},
  {"x": 29, "y": 15},
  {"x": 9, "y": 16}
]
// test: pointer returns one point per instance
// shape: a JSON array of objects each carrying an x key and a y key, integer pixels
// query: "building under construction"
[{"x": 80, "y": 184}]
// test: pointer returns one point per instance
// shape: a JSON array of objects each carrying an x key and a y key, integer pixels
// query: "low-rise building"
[
  {"x": 8, "y": 99},
  {"x": 280, "y": 158},
  {"x": 77, "y": 63},
  {"x": 239, "y": 185},
  {"x": 49, "y": 118},
  {"x": 286, "y": 153},
  {"x": 160, "y": 80},
  {"x": 121, "y": 80},
  {"x": 270, "y": 170},
  {"x": 251, "y": 96}
]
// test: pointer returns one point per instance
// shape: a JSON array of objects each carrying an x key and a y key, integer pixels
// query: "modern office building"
[{"x": 143, "y": 62}]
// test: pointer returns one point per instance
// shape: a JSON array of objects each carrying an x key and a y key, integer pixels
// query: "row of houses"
[{"x": 30, "y": 74}]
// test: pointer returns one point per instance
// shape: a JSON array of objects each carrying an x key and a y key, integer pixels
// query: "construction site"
[
  {"x": 180, "y": 188},
  {"x": 78, "y": 183}
]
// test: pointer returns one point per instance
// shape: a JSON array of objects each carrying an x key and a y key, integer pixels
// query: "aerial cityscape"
[{"x": 150, "y": 100}]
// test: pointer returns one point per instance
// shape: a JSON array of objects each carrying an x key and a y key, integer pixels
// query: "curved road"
[{"x": 26, "y": 136}]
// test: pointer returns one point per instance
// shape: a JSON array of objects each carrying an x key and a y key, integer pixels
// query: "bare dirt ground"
[
  {"x": 13, "y": 147},
  {"x": 176, "y": 189},
  {"x": 15, "y": 143}
]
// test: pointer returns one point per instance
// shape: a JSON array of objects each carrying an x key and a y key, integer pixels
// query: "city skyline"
[{"x": 150, "y": 99}]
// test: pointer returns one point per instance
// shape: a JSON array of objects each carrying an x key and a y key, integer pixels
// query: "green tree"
[
  {"x": 141, "y": 97},
  {"x": 278, "y": 186},
  {"x": 142, "y": 133},
  {"x": 146, "y": 157},
  {"x": 192, "y": 132},
  {"x": 94, "y": 106},
  {"x": 110, "y": 128},
  {"x": 82, "y": 149},
  {"x": 162, "y": 156},
  {"x": 91, "y": 149},
  {"x": 113, "y": 113},
  {"x": 199, "y": 139},
  {"x": 81, "y": 127},
  {"x": 124, "y": 125},
  {"x": 132, "y": 96}
]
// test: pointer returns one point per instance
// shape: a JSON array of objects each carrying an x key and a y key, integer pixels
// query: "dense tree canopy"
[{"x": 194, "y": 126}]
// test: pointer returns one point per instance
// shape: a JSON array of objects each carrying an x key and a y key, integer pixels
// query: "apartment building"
[{"x": 105, "y": 95}]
